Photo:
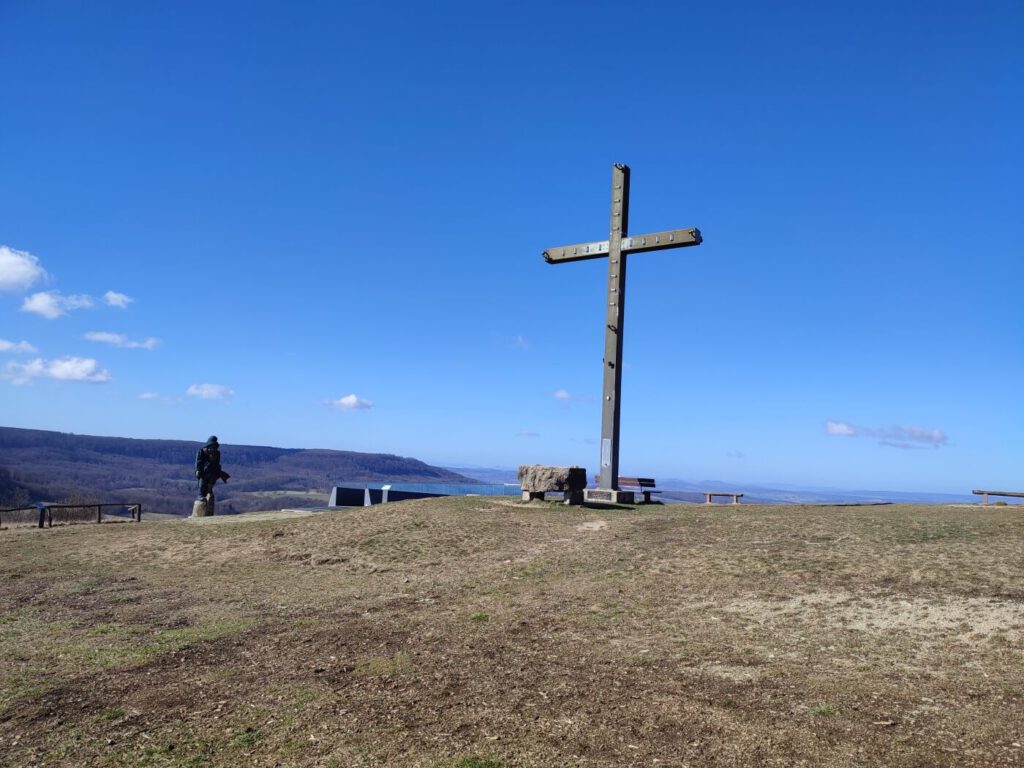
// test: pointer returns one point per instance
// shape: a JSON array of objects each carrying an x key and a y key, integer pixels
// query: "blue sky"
[{"x": 320, "y": 225}]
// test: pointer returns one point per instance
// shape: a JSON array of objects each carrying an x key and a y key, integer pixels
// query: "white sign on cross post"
[{"x": 618, "y": 245}]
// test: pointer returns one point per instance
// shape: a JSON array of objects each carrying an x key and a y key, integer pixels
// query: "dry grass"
[{"x": 490, "y": 634}]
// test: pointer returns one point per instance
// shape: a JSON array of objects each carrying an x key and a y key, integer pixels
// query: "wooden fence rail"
[
  {"x": 45, "y": 513},
  {"x": 986, "y": 494}
]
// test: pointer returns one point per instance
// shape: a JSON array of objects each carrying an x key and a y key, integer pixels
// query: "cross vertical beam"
[
  {"x": 615, "y": 317},
  {"x": 616, "y": 248}
]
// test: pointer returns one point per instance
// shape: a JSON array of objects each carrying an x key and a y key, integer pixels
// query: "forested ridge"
[{"x": 37, "y": 465}]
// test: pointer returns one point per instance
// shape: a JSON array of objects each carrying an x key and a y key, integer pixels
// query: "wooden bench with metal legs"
[{"x": 645, "y": 485}]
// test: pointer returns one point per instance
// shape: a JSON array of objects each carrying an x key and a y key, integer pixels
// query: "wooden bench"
[
  {"x": 708, "y": 495},
  {"x": 644, "y": 484},
  {"x": 986, "y": 494}
]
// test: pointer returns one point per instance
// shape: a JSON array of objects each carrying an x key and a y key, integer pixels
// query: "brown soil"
[{"x": 474, "y": 633}]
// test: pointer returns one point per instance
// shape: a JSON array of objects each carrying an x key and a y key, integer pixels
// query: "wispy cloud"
[
  {"x": 210, "y": 391},
  {"x": 159, "y": 398},
  {"x": 120, "y": 340},
  {"x": 350, "y": 403},
  {"x": 734, "y": 454},
  {"x": 894, "y": 437},
  {"x": 52, "y": 304},
  {"x": 525, "y": 433},
  {"x": 61, "y": 369},
  {"x": 115, "y": 299},
  {"x": 21, "y": 346},
  {"x": 19, "y": 270},
  {"x": 565, "y": 397},
  {"x": 520, "y": 342}
]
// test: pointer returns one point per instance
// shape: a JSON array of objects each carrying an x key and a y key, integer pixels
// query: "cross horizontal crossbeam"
[{"x": 656, "y": 241}]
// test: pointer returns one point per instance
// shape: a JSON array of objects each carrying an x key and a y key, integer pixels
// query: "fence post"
[
  {"x": 42, "y": 514},
  {"x": 99, "y": 513}
]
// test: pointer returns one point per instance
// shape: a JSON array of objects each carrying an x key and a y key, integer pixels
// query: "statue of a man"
[{"x": 208, "y": 469}]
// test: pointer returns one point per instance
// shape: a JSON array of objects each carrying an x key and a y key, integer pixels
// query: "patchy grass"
[
  {"x": 825, "y": 710},
  {"x": 483, "y": 633}
]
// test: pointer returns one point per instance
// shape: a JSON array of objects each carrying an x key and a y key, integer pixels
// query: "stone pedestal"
[
  {"x": 604, "y": 496},
  {"x": 537, "y": 479},
  {"x": 202, "y": 508}
]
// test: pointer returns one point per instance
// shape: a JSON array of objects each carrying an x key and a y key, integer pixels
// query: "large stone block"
[
  {"x": 202, "y": 508},
  {"x": 537, "y": 478}
]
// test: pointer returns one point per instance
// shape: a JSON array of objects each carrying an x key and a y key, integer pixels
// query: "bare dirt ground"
[{"x": 479, "y": 633}]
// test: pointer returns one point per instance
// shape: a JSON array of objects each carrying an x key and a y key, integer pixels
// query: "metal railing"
[{"x": 42, "y": 514}]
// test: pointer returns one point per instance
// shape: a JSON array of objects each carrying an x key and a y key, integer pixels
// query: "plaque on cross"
[{"x": 618, "y": 245}]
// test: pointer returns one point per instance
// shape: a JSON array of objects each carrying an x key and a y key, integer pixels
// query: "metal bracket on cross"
[{"x": 656, "y": 241}]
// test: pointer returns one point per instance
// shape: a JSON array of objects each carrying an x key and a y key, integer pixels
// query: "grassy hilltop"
[{"x": 476, "y": 632}]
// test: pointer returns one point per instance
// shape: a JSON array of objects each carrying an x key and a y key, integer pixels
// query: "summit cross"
[{"x": 618, "y": 245}]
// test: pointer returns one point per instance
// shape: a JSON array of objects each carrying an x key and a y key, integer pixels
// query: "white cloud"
[
  {"x": 120, "y": 340},
  {"x": 565, "y": 397},
  {"x": 839, "y": 428},
  {"x": 351, "y": 403},
  {"x": 160, "y": 398},
  {"x": 521, "y": 343},
  {"x": 115, "y": 299},
  {"x": 61, "y": 369},
  {"x": 21, "y": 346},
  {"x": 525, "y": 433},
  {"x": 18, "y": 269},
  {"x": 893, "y": 437},
  {"x": 51, "y": 304},
  {"x": 210, "y": 391}
]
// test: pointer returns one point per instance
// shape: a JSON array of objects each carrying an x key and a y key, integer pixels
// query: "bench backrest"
[{"x": 639, "y": 482}]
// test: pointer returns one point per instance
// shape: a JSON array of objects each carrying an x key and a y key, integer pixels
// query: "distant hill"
[
  {"x": 683, "y": 490},
  {"x": 38, "y": 465},
  {"x": 675, "y": 490}
]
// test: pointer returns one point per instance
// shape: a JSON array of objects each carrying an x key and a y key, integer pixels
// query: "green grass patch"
[
  {"x": 470, "y": 762},
  {"x": 384, "y": 666},
  {"x": 246, "y": 739}
]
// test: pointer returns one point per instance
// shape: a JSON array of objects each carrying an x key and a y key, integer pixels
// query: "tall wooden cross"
[{"x": 618, "y": 245}]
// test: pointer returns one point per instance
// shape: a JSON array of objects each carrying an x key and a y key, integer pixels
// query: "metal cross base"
[{"x": 608, "y": 496}]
